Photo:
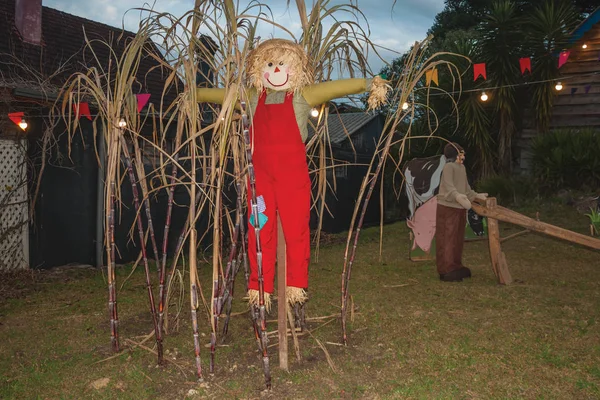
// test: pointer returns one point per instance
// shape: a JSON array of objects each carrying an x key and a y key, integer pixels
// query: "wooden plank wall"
[{"x": 570, "y": 110}]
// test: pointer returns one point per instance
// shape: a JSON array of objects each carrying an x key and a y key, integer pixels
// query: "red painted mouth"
[{"x": 287, "y": 78}]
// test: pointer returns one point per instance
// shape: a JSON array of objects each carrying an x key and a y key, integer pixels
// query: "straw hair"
[{"x": 275, "y": 50}]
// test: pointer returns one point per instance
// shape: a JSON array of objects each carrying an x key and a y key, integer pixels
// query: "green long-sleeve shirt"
[{"x": 309, "y": 97}]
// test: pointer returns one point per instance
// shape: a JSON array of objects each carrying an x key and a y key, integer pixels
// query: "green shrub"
[
  {"x": 508, "y": 190},
  {"x": 567, "y": 158}
]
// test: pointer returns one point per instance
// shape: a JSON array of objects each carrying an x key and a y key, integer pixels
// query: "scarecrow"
[
  {"x": 454, "y": 197},
  {"x": 280, "y": 97}
]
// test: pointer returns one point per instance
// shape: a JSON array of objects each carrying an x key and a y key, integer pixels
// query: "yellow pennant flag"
[{"x": 432, "y": 75}]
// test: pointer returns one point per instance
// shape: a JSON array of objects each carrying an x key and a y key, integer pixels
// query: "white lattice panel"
[{"x": 14, "y": 232}]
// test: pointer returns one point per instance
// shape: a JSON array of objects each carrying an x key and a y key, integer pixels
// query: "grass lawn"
[{"x": 412, "y": 335}]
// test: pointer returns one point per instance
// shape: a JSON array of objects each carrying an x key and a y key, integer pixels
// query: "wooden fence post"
[{"x": 281, "y": 297}]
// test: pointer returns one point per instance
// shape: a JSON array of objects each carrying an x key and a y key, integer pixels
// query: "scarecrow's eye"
[
  {"x": 270, "y": 64},
  {"x": 281, "y": 63}
]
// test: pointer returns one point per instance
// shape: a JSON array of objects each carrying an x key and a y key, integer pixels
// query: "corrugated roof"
[
  {"x": 585, "y": 26},
  {"x": 342, "y": 126},
  {"x": 62, "y": 47}
]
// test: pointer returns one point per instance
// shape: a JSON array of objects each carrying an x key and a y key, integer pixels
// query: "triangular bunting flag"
[
  {"x": 16, "y": 117},
  {"x": 563, "y": 57},
  {"x": 587, "y": 89},
  {"x": 479, "y": 69},
  {"x": 573, "y": 90},
  {"x": 142, "y": 100},
  {"x": 525, "y": 63},
  {"x": 83, "y": 109},
  {"x": 432, "y": 75}
]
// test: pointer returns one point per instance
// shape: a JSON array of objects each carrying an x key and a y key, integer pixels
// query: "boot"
[
  {"x": 464, "y": 272},
  {"x": 452, "y": 276}
]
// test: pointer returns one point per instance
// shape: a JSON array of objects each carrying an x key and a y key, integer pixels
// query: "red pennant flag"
[
  {"x": 83, "y": 109},
  {"x": 142, "y": 100},
  {"x": 16, "y": 117},
  {"x": 563, "y": 57},
  {"x": 525, "y": 63},
  {"x": 479, "y": 69}
]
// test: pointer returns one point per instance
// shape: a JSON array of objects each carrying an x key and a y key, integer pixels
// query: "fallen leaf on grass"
[{"x": 100, "y": 383}]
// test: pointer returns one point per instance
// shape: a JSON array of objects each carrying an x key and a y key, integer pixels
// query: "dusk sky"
[{"x": 392, "y": 26}]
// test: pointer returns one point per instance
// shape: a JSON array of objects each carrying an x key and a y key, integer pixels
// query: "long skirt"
[{"x": 449, "y": 238}]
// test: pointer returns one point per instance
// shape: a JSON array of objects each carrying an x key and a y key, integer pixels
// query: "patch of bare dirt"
[{"x": 22, "y": 283}]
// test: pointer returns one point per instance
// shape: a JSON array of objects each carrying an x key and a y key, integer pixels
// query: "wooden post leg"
[
  {"x": 281, "y": 298},
  {"x": 493, "y": 236},
  {"x": 503, "y": 274},
  {"x": 497, "y": 257}
]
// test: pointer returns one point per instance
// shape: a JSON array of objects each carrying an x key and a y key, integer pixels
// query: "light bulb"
[
  {"x": 314, "y": 113},
  {"x": 405, "y": 106},
  {"x": 584, "y": 46},
  {"x": 558, "y": 86},
  {"x": 484, "y": 96},
  {"x": 122, "y": 123},
  {"x": 23, "y": 124}
]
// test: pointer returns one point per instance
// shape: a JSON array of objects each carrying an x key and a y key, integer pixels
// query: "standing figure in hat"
[
  {"x": 454, "y": 198},
  {"x": 281, "y": 95}
]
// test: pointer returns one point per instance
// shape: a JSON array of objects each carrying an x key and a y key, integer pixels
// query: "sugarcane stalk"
[
  {"x": 146, "y": 200},
  {"x": 260, "y": 315},
  {"x": 371, "y": 182},
  {"x": 140, "y": 228},
  {"x": 111, "y": 172},
  {"x": 225, "y": 288},
  {"x": 194, "y": 301},
  {"x": 242, "y": 257},
  {"x": 163, "y": 265},
  {"x": 192, "y": 256},
  {"x": 112, "y": 292},
  {"x": 216, "y": 308},
  {"x": 228, "y": 301}
]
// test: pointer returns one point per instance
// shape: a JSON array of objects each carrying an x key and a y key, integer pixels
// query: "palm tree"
[
  {"x": 500, "y": 45},
  {"x": 547, "y": 31}
]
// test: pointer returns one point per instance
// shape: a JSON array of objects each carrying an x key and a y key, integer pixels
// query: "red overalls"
[{"x": 282, "y": 179}]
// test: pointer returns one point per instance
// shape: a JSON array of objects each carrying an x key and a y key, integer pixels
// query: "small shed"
[
  {"x": 40, "y": 48},
  {"x": 353, "y": 137}
]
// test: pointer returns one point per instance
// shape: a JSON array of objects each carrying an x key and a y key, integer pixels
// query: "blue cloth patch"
[{"x": 262, "y": 220}]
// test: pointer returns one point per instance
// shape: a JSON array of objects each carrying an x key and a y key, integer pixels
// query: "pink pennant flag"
[
  {"x": 563, "y": 57},
  {"x": 142, "y": 100}
]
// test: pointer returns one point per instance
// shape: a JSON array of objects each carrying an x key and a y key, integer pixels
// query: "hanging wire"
[{"x": 357, "y": 97}]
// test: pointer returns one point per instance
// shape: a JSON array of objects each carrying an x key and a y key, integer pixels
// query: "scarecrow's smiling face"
[{"x": 276, "y": 75}]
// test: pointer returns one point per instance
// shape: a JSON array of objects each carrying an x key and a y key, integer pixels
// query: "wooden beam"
[
  {"x": 281, "y": 297},
  {"x": 580, "y": 67},
  {"x": 492, "y": 210},
  {"x": 579, "y": 98},
  {"x": 564, "y": 110},
  {"x": 579, "y": 121}
]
